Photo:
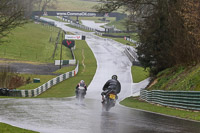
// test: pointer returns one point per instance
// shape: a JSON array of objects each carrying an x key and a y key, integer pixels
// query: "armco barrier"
[
  {"x": 37, "y": 91},
  {"x": 132, "y": 56},
  {"x": 179, "y": 99},
  {"x": 44, "y": 21}
]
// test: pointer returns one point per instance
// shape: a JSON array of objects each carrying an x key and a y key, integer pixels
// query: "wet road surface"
[
  {"x": 94, "y": 25},
  {"x": 66, "y": 115}
]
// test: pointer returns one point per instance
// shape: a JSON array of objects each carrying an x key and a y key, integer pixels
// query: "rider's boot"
[{"x": 103, "y": 99}]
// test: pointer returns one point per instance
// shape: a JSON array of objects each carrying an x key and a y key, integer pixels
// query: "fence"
[
  {"x": 37, "y": 91},
  {"x": 179, "y": 99},
  {"x": 65, "y": 62}
]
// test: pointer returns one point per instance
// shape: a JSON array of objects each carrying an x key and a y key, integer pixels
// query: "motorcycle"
[
  {"x": 110, "y": 100},
  {"x": 81, "y": 94}
]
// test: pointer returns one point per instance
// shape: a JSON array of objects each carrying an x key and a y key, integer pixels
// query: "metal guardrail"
[
  {"x": 44, "y": 21},
  {"x": 129, "y": 55},
  {"x": 179, "y": 99},
  {"x": 132, "y": 56}
]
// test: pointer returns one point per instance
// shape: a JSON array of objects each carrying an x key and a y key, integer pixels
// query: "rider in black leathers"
[{"x": 111, "y": 85}]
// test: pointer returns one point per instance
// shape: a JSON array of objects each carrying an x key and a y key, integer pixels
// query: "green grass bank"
[
  {"x": 177, "y": 78},
  {"x": 139, "y": 74},
  {"x": 33, "y": 43},
  {"x": 5, "y": 128},
  {"x": 135, "y": 102},
  {"x": 74, "y": 5},
  {"x": 87, "y": 69}
]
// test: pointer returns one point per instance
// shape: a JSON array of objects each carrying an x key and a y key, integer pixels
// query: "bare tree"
[
  {"x": 11, "y": 15},
  {"x": 15, "y": 13},
  {"x": 43, "y": 5}
]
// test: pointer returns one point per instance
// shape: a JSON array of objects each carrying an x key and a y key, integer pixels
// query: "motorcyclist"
[
  {"x": 81, "y": 85},
  {"x": 112, "y": 85}
]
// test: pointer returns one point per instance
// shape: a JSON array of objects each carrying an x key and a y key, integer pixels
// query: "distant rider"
[
  {"x": 81, "y": 85},
  {"x": 112, "y": 85}
]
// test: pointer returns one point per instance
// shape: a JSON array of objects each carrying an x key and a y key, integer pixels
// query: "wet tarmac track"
[{"x": 66, "y": 115}]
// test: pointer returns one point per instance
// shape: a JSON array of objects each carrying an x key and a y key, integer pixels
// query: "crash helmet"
[
  {"x": 82, "y": 81},
  {"x": 114, "y": 77}
]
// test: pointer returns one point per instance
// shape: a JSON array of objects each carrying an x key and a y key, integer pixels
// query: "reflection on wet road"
[{"x": 65, "y": 115}]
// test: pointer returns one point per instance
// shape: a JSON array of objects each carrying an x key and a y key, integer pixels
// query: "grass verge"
[
  {"x": 178, "y": 78},
  {"x": 134, "y": 102},
  {"x": 87, "y": 69},
  {"x": 54, "y": 18},
  {"x": 33, "y": 42},
  {"x": 5, "y": 128},
  {"x": 181, "y": 75},
  {"x": 139, "y": 74},
  {"x": 66, "y": 88},
  {"x": 117, "y": 24},
  {"x": 73, "y": 5}
]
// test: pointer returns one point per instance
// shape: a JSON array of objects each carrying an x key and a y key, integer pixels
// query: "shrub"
[{"x": 10, "y": 79}]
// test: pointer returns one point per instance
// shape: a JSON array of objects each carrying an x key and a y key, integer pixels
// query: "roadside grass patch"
[
  {"x": 54, "y": 18},
  {"x": 178, "y": 78},
  {"x": 65, "y": 69},
  {"x": 139, "y": 74},
  {"x": 67, "y": 87},
  {"x": 132, "y": 35},
  {"x": 5, "y": 128},
  {"x": 43, "y": 78},
  {"x": 117, "y": 24},
  {"x": 134, "y": 102},
  {"x": 31, "y": 43},
  {"x": 121, "y": 40},
  {"x": 95, "y": 19},
  {"x": 73, "y": 5}
]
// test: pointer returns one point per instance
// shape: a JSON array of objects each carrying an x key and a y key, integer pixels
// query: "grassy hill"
[
  {"x": 178, "y": 78},
  {"x": 32, "y": 43},
  {"x": 75, "y": 5}
]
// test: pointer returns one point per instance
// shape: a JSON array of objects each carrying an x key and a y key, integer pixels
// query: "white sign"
[
  {"x": 88, "y": 14},
  {"x": 73, "y": 37}
]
